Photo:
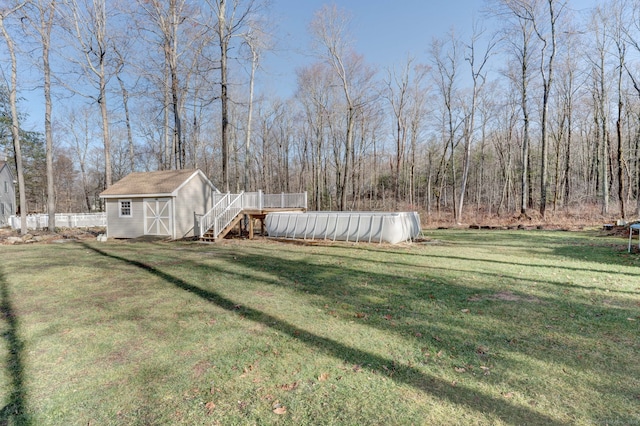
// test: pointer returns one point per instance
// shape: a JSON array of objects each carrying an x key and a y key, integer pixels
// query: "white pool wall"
[{"x": 378, "y": 227}]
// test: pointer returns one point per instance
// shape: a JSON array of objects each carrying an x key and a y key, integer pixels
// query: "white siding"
[
  {"x": 194, "y": 197},
  {"x": 124, "y": 227}
]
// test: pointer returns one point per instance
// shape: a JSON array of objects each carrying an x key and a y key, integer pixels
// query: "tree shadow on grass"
[
  {"x": 562, "y": 251},
  {"x": 411, "y": 376},
  {"x": 466, "y": 261},
  {"x": 14, "y": 412},
  {"x": 341, "y": 282}
]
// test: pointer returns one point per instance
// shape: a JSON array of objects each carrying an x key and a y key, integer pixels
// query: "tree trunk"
[
  {"x": 45, "y": 34},
  {"x": 224, "y": 99},
  {"x": 15, "y": 124}
]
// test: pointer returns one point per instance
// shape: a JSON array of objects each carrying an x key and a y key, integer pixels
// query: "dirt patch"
[
  {"x": 506, "y": 296},
  {"x": 616, "y": 231},
  {"x": 201, "y": 368},
  {"x": 10, "y": 236}
]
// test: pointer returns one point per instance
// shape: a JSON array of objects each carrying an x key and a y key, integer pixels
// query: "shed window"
[
  {"x": 2, "y": 208},
  {"x": 6, "y": 187},
  {"x": 125, "y": 208}
]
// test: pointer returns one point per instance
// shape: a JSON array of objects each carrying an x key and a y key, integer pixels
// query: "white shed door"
[{"x": 157, "y": 216}]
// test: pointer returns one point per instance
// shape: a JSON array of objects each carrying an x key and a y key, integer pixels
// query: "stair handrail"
[
  {"x": 207, "y": 220},
  {"x": 226, "y": 216}
]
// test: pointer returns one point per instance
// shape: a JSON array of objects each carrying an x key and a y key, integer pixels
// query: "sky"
[{"x": 384, "y": 31}]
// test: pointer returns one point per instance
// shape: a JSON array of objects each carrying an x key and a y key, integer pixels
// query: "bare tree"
[
  {"x": 13, "y": 104},
  {"x": 256, "y": 40},
  {"x": 314, "y": 93},
  {"x": 633, "y": 38},
  {"x": 617, "y": 33},
  {"x": 446, "y": 61},
  {"x": 167, "y": 17},
  {"x": 417, "y": 116},
  {"x": 478, "y": 77},
  {"x": 231, "y": 21},
  {"x": 333, "y": 45},
  {"x": 121, "y": 63},
  {"x": 42, "y": 21},
  {"x": 549, "y": 43},
  {"x": 600, "y": 95},
  {"x": 78, "y": 135},
  {"x": 519, "y": 39},
  {"x": 397, "y": 87},
  {"x": 88, "y": 20},
  {"x": 406, "y": 96}
]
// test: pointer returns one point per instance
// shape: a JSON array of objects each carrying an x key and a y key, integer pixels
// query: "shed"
[
  {"x": 7, "y": 192},
  {"x": 159, "y": 203}
]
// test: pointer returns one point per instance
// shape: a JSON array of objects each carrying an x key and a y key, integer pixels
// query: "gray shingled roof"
[{"x": 143, "y": 183}]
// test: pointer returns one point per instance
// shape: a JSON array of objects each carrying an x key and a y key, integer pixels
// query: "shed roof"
[{"x": 150, "y": 183}]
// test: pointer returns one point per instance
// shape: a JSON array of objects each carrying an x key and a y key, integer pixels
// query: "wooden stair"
[{"x": 209, "y": 235}]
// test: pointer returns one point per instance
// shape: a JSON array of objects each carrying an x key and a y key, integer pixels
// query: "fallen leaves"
[
  {"x": 246, "y": 370},
  {"x": 210, "y": 406},
  {"x": 289, "y": 386},
  {"x": 279, "y": 409},
  {"x": 482, "y": 351},
  {"x": 323, "y": 377}
]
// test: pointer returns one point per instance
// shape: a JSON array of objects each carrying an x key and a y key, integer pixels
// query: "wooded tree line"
[{"x": 537, "y": 109}]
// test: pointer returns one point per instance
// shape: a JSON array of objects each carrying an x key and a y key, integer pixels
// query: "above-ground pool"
[{"x": 378, "y": 227}]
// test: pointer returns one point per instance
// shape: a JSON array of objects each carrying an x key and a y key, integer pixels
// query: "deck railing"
[{"x": 260, "y": 201}]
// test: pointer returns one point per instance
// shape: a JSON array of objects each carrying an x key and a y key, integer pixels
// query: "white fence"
[{"x": 63, "y": 220}]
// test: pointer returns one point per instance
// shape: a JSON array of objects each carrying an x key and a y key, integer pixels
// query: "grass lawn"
[{"x": 472, "y": 327}]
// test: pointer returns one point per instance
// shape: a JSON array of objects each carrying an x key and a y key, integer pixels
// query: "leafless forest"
[{"x": 536, "y": 112}]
